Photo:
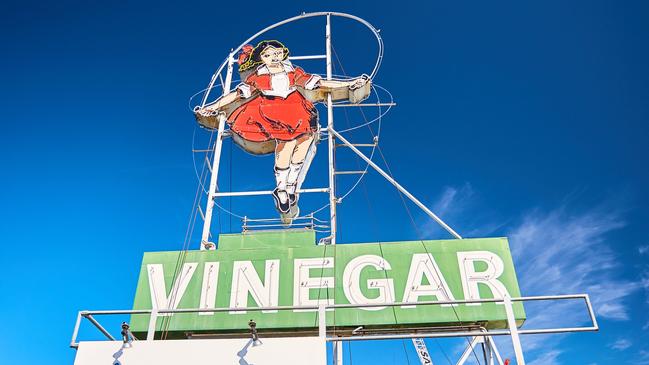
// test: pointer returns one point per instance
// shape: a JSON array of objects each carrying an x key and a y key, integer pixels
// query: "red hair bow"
[{"x": 246, "y": 51}]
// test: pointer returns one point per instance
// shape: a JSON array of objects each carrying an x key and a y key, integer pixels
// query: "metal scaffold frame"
[{"x": 330, "y": 131}]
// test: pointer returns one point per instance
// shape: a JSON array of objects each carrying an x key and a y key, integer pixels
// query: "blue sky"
[{"x": 522, "y": 119}]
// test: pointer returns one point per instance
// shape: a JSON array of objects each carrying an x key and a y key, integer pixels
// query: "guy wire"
[{"x": 409, "y": 214}]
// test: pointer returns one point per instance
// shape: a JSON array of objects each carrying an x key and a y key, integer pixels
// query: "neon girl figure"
[{"x": 272, "y": 110}]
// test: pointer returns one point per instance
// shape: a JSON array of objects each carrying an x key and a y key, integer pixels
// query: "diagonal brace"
[
  {"x": 395, "y": 183},
  {"x": 468, "y": 350}
]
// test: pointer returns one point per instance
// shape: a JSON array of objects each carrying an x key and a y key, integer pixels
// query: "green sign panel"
[{"x": 287, "y": 269}]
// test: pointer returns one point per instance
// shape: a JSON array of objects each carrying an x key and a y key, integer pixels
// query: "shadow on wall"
[
  {"x": 119, "y": 353},
  {"x": 244, "y": 351}
]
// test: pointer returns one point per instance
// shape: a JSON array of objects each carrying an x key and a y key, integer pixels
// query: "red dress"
[{"x": 279, "y": 111}]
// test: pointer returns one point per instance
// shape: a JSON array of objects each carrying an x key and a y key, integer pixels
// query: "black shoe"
[
  {"x": 292, "y": 199},
  {"x": 283, "y": 208},
  {"x": 287, "y": 219}
]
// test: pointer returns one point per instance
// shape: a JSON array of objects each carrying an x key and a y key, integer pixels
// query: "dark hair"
[{"x": 255, "y": 56}]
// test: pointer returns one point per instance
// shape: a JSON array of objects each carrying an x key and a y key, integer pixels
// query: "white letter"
[
  {"x": 424, "y": 265},
  {"x": 351, "y": 282},
  {"x": 489, "y": 277},
  {"x": 159, "y": 298},
  {"x": 208, "y": 291},
  {"x": 246, "y": 281},
  {"x": 303, "y": 283}
]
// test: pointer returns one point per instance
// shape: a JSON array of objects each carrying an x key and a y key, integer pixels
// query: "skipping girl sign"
[{"x": 273, "y": 111}]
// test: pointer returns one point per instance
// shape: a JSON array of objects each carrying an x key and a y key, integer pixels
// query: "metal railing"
[
  {"x": 302, "y": 222},
  {"x": 512, "y": 329}
]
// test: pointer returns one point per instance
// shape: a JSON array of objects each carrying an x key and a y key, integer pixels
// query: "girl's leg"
[
  {"x": 298, "y": 164},
  {"x": 283, "y": 153},
  {"x": 302, "y": 148}
]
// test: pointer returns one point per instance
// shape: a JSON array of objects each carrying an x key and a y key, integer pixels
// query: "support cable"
[
  {"x": 423, "y": 245},
  {"x": 324, "y": 255},
  {"x": 180, "y": 261},
  {"x": 369, "y": 204},
  {"x": 230, "y": 184},
  {"x": 349, "y": 346},
  {"x": 374, "y": 223}
]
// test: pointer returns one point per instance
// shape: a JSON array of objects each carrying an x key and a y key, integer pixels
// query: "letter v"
[{"x": 159, "y": 298}]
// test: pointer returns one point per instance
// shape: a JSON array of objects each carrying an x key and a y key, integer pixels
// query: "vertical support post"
[
  {"x": 591, "y": 313},
  {"x": 331, "y": 141},
  {"x": 322, "y": 320},
  {"x": 150, "y": 334},
  {"x": 75, "y": 333},
  {"x": 338, "y": 352},
  {"x": 486, "y": 351},
  {"x": 331, "y": 147},
  {"x": 205, "y": 238},
  {"x": 513, "y": 330}
]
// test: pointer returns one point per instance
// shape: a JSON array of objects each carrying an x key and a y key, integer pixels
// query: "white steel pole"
[
  {"x": 205, "y": 239},
  {"x": 322, "y": 320},
  {"x": 494, "y": 351},
  {"x": 513, "y": 330},
  {"x": 392, "y": 181},
  {"x": 150, "y": 334},
  {"x": 331, "y": 142},
  {"x": 338, "y": 352},
  {"x": 75, "y": 333},
  {"x": 486, "y": 350},
  {"x": 331, "y": 147}
]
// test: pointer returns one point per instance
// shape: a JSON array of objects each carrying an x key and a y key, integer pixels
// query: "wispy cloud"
[
  {"x": 548, "y": 358},
  {"x": 642, "y": 358},
  {"x": 561, "y": 253},
  {"x": 558, "y": 251},
  {"x": 620, "y": 345},
  {"x": 453, "y": 200},
  {"x": 644, "y": 279},
  {"x": 452, "y": 206}
]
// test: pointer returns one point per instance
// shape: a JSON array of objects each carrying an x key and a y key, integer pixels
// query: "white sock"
[
  {"x": 283, "y": 196},
  {"x": 293, "y": 174},
  {"x": 281, "y": 176}
]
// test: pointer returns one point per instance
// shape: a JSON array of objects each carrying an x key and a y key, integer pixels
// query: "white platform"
[{"x": 285, "y": 351}]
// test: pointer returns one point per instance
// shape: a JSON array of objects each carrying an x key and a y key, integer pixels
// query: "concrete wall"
[{"x": 285, "y": 351}]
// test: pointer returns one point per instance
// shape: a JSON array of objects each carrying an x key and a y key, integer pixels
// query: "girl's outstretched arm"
[
  {"x": 354, "y": 90},
  {"x": 208, "y": 116},
  {"x": 336, "y": 84},
  {"x": 221, "y": 102}
]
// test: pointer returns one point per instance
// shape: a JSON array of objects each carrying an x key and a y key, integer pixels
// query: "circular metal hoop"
[
  {"x": 374, "y": 31},
  {"x": 231, "y": 59}
]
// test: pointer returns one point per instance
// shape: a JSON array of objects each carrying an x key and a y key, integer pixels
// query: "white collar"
[{"x": 263, "y": 69}]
